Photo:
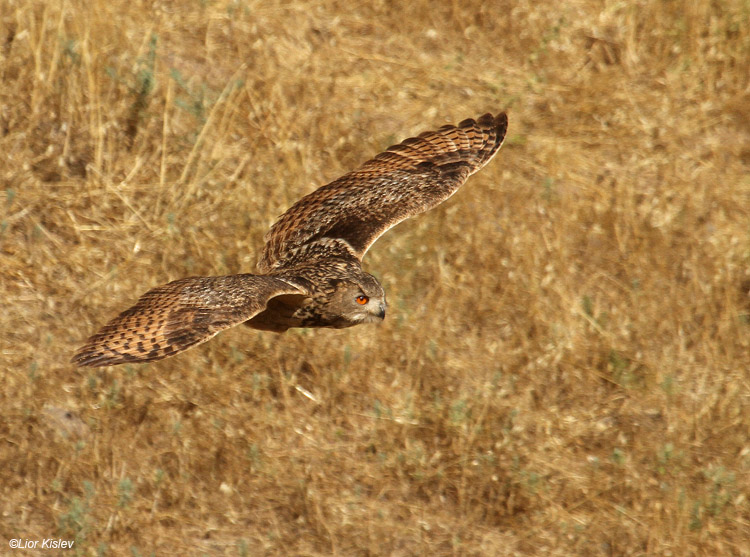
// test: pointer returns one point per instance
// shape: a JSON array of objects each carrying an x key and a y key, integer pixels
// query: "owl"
[{"x": 310, "y": 270}]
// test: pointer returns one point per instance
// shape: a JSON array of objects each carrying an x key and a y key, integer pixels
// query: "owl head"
[{"x": 357, "y": 300}]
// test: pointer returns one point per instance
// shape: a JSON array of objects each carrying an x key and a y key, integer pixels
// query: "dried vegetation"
[{"x": 565, "y": 366}]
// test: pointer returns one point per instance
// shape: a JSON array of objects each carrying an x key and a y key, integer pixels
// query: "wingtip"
[
  {"x": 498, "y": 122},
  {"x": 84, "y": 357},
  {"x": 501, "y": 125},
  {"x": 79, "y": 357},
  {"x": 96, "y": 353},
  {"x": 489, "y": 119}
]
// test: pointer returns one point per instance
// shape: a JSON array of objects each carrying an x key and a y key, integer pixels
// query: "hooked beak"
[{"x": 381, "y": 310}]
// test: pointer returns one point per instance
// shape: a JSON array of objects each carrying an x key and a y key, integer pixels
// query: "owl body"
[{"x": 334, "y": 286}]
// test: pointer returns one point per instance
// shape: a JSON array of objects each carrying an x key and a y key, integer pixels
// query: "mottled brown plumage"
[
  {"x": 405, "y": 180},
  {"x": 311, "y": 263},
  {"x": 175, "y": 316}
]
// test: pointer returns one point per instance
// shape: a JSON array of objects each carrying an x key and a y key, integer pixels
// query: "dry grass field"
[{"x": 565, "y": 367}]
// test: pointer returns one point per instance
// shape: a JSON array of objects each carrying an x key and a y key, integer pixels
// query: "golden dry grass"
[{"x": 565, "y": 365}]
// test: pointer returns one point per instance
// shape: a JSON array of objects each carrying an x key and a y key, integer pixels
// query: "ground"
[{"x": 564, "y": 366}]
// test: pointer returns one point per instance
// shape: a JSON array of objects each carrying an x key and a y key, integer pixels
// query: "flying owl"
[{"x": 310, "y": 272}]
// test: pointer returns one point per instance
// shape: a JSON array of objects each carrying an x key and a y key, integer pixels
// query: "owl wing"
[
  {"x": 405, "y": 180},
  {"x": 173, "y": 317}
]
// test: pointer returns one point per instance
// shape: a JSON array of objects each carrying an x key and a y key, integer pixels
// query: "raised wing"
[
  {"x": 405, "y": 180},
  {"x": 173, "y": 317}
]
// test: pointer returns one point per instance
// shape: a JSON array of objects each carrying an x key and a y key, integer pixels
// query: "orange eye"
[{"x": 362, "y": 300}]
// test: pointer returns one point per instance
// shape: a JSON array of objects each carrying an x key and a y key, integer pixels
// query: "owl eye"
[{"x": 362, "y": 300}]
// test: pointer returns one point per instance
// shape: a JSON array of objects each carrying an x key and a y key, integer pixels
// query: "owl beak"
[{"x": 381, "y": 310}]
